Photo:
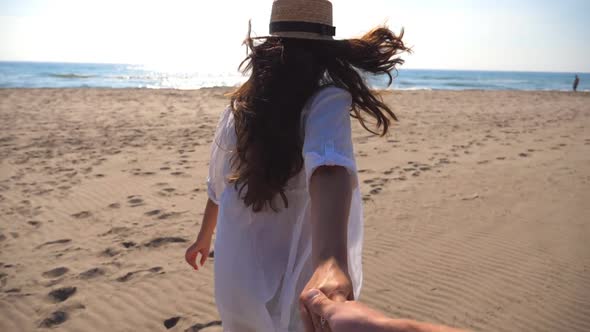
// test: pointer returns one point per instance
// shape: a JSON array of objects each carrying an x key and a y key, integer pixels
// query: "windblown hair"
[{"x": 284, "y": 74}]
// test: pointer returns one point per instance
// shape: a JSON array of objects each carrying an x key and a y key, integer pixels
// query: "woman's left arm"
[{"x": 330, "y": 189}]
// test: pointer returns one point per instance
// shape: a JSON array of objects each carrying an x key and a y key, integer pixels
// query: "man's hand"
[{"x": 351, "y": 316}]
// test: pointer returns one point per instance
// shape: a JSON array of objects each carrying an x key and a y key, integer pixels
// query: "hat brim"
[{"x": 299, "y": 35}]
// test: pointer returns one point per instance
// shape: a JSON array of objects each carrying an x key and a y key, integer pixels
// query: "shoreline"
[{"x": 235, "y": 87}]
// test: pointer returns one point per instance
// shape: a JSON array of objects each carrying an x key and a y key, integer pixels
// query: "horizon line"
[{"x": 399, "y": 69}]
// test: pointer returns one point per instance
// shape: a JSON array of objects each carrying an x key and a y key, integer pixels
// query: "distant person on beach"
[
  {"x": 283, "y": 185},
  {"x": 353, "y": 316},
  {"x": 576, "y": 82}
]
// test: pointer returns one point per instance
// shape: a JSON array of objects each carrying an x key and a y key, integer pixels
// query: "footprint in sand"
[
  {"x": 135, "y": 201},
  {"x": 82, "y": 215},
  {"x": 109, "y": 252},
  {"x": 377, "y": 186},
  {"x": 160, "y": 241},
  {"x": 114, "y": 205},
  {"x": 92, "y": 273},
  {"x": 56, "y": 318},
  {"x": 171, "y": 322},
  {"x": 153, "y": 213},
  {"x": 129, "y": 275},
  {"x": 129, "y": 244},
  {"x": 60, "y": 316},
  {"x": 61, "y": 294},
  {"x": 57, "y": 272},
  {"x": 34, "y": 223},
  {"x": 443, "y": 161},
  {"x": 169, "y": 215},
  {"x": 375, "y": 191},
  {"x": 61, "y": 241},
  {"x": 116, "y": 231},
  {"x": 199, "y": 327}
]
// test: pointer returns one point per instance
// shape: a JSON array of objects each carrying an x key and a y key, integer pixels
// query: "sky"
[{"x": 522, "y": 35}]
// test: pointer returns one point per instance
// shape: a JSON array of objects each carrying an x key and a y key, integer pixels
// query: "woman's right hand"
[
  {"x": 202, "y": 245},
  {"x": 332, "y": 279}
]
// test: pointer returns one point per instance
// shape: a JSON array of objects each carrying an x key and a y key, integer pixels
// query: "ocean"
[{"x": 87, "y": 75}]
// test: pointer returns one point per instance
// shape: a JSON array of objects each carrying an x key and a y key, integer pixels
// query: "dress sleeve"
[
  {"x": 218, "y": 163},
  {"x": 328, "y": 137}
]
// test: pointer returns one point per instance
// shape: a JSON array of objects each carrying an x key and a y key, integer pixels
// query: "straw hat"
[{"x": 305, "y": 19}]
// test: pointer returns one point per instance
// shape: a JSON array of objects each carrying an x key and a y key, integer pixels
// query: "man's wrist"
[{"x": 397, "y": 325}]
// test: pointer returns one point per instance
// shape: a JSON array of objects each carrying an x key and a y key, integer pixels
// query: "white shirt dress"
[{"x": 263, "y": 259}]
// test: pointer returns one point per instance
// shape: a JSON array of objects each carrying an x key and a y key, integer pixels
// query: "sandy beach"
[{"x": 477, "y": 209}]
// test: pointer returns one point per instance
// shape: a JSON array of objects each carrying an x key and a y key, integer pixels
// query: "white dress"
[{"x": 263, "y": 260}]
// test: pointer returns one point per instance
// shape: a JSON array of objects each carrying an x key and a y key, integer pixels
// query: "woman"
[{"x": 283, "y": 189}]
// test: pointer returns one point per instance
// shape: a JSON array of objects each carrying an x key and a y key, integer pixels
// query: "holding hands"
[
  {"x": 333, "y": 281},
  {"x": 351, "y": 316}
]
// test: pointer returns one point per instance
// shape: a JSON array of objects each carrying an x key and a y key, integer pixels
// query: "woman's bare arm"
[
  {"x": 202, "y": 244},
  {"x": 331, "y": 191},
  {"x": 209, "y": 218}
]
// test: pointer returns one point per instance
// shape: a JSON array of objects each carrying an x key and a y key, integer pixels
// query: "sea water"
[{"x": 80, "y": 75}]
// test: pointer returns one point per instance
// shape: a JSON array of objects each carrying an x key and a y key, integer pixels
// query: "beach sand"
[{"x": 477, "y": 209}]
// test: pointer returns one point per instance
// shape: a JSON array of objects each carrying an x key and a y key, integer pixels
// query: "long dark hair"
[{"x": 284, "y": 74}]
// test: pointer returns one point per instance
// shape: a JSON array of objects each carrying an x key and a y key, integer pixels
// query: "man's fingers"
[
  {"x": 317, "y": 325},
  {"x": 338, "y": 298},
  {"x": 317, "y": 302},
  {"x": 306, "y": 318}
]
